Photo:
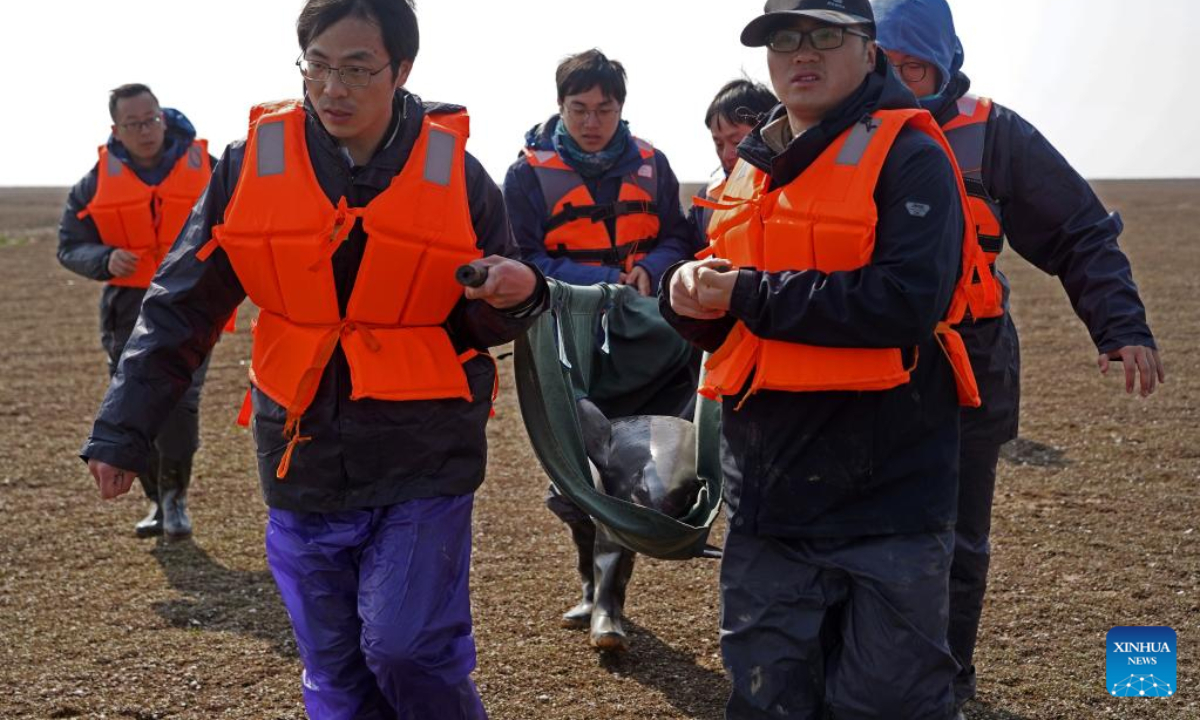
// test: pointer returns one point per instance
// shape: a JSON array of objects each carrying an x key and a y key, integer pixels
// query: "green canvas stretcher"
[{"x": 553, "y": 365}]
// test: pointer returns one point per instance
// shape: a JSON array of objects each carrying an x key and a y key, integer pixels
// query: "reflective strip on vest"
[
  {"x": 555, "y": 184},
  {"x": 968, "y": 142},
  {"x": 270, "y": 149},
  {"x": 195, "y": 161},
  {"x": 856, "y": 145},
  {"x": 114, "y": 165},
  {"x": 439, "y": 157},
  {"x": 644, "y": 177},
  {"x": 967, "y": 105}
]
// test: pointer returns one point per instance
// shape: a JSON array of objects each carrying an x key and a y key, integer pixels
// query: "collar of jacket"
[
  {"x": 541, "y": 137},
  {"x": 944, "y": 107},
  {"x": 881, "y": 90},
  {"x": 179, "y": 135},
  {"x": 408, "y": 113}
]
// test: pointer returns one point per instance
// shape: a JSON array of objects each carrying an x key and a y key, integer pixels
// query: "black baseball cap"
[{"x": 834, "y": 12}]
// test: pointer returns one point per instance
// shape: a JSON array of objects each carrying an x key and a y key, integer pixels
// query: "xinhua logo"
[{"x": 1141, "y": 662}]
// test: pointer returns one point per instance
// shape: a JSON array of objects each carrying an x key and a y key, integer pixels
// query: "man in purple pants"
[{"x": 343, "y": 219}]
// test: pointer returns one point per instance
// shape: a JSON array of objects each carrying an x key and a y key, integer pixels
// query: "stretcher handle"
[{"x": 471, "y": 276}]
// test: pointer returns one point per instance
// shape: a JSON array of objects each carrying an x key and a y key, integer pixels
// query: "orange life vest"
[
  {"x": 712, "y": 193},
  {"x": 576, "y": 228},
  {"x": 280, "y": 233},
  {"x": 966, "y": 134},
  {"x": 824, "y": 220},
  {"x": 145, "y": 219}
]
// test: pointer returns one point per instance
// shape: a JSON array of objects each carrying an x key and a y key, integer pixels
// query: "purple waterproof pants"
[{"x": 380, "y": 606}]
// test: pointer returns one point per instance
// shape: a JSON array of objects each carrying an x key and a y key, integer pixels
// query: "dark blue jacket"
[
  {"x": 362, "y": 453},
  {"x": 830, "y": 464},
  {"x": 527, "y": 212},
  {"x": 1052, "y": 218}
]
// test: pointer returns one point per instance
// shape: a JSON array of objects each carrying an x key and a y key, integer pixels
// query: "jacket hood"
[
  {"x": 541, "y": 136},
  {"x": 923, "y": 29},
  {"x": 944, "y": 105},
  {"x": 881, "y": 90}
]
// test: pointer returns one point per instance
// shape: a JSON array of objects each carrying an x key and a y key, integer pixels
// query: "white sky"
[{"x": 1112, "y": 83}]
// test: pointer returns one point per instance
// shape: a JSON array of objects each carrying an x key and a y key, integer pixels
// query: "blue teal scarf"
[{"x": 591, "y": 165}]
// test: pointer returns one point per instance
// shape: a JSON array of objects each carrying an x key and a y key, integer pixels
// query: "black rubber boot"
[
  {"x": 151, "y": 525},
  {"x": 614, "y": 568},
  {"x": 584, "y": 536},
  {"x": 173, "y": 481}
]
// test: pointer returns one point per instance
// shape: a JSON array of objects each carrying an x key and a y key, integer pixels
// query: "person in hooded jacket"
[
  {"x": 344, "y": 218},
  {"x": 1021, "y": 189},
  {"x": 734, "y": 111},
  {"x": 838, "y": 249},
  {"x": 119, "y": 222},
  {"x": 591, "y": 203}
]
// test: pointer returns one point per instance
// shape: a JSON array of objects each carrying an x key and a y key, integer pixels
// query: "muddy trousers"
[
  {"x": 380, "y": 606},
  {"x": 972, "y": 556},
  {"x": 179, "y": 437},
  {"x": 851, "y": 628}
]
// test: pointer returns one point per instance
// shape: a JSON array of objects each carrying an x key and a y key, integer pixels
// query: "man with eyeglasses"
[
  {"x": 1021, "y": 189},
  {"x": 344, "y": 217},
  {"x": 119, "y": 223},
  {"x": 841, "y": 255},
  {"x": 592, "y": 203}
]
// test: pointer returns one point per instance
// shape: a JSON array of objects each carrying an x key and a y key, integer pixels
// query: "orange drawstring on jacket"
[
  {"x": 343, "y": 224},
  {"x": 291, "y": 431}
]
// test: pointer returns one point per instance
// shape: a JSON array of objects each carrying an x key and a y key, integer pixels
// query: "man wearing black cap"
[{"x": 844, "y": 225}]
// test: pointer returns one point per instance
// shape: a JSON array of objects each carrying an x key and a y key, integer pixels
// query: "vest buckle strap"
[
  {"x": 607, "y": 256},
  {"x": 211, "y": 245},
  {"x": 599, "y": 213},
  {"x": 991, "y": 245}
]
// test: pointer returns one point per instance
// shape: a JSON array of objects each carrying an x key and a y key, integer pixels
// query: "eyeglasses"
[
  {"x": 827, "y": 37},
  {"x": 913, "y": 72},
  {"x": 602, "y": 114},
  {"x": 350, "y": 75},
  {"x": 140, "y": 125}
]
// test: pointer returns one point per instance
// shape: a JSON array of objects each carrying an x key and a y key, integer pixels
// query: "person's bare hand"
[
  {"x": 111, "y": 480},
  {"x": 1138, "y": 360},
  {"x": 122, "y": 263},
  {"x": 639, "y": 278},
  {"x": 509, "y": 283},
  {"x": 714, "y": 286},
  {"x": 684, "y": 289}
]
